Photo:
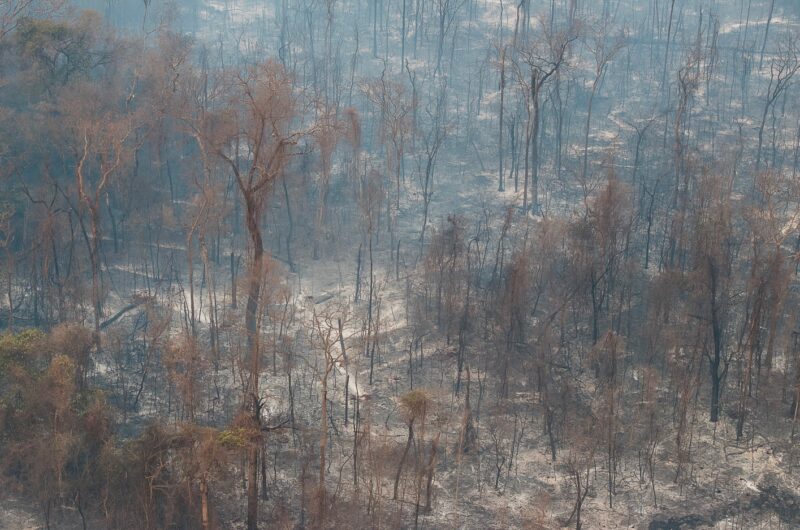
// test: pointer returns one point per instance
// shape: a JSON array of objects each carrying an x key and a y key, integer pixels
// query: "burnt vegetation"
[{"x": 399, "y": 263}]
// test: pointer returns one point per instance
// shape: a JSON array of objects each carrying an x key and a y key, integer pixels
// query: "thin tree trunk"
[{"x": 403, "y": 458}]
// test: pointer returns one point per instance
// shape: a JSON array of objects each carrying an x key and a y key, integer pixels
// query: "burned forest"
[{"x": 468, "y": 264}]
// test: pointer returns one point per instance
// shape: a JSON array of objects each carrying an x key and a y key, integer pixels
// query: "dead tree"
[
  {"x": 542, "y": 59},
  {"x": 782, "y": 69},
  {"x": 262, "y": 124}
]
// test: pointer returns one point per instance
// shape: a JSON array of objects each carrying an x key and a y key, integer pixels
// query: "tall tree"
[{"x": 254, "y": 135}]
